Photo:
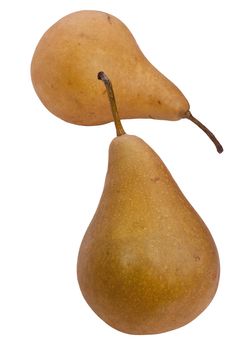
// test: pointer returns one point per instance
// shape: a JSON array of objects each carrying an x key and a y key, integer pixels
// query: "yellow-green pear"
[
  {"x": 147, "y": 263},
  {"x": 72, "y": 51}
]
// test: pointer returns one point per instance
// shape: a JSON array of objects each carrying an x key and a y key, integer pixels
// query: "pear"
[
  {"x": 147, "y": 263},
  {"x": 75, "y": 48}
]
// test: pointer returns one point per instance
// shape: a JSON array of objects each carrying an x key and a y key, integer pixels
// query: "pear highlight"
[
  {"x": 147, "y": 263},
  {"x": 69, "y": 54}
]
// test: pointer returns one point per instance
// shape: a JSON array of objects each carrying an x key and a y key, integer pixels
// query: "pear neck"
[{"x": 111, "y": 96}]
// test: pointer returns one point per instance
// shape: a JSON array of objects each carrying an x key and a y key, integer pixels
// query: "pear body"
[
  {"x": 147, "y": 263},
  {"x": 69, "y": 56}
]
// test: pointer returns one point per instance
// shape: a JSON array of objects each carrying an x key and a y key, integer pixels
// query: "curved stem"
[
  {"x": 107, "y": 82},
  {"x": 206, "y": 130}
]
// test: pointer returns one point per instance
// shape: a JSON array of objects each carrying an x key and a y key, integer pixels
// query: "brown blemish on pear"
[
  {"x": 155, "y": 179},
  {"x": 109, "y": 19}
]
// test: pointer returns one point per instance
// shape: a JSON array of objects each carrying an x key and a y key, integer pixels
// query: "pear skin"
[
  {"x": 148, "y": 263},
  {"x": 74, "y": 49}
]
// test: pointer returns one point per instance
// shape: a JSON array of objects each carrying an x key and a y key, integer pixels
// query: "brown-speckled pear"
[
  {"x": 147, "y": 263},
  {"x": 76, "y": 48}
]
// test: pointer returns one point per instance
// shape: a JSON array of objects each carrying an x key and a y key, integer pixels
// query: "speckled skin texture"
[
  {"x": 71, "y": 53},
  {"x": 147, "y": 263}
]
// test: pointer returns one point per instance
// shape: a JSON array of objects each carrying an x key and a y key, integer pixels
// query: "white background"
[{"x": 52, "y": 172}]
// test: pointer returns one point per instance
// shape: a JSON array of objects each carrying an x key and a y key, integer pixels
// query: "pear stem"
[
  {"x": 206, "y": 130},
  {"x": 107, "y": 82}
]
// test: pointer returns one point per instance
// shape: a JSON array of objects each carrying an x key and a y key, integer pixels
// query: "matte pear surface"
[
  {"x": 147, "y": 263},
  {"x": 70, "y": 54}
]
